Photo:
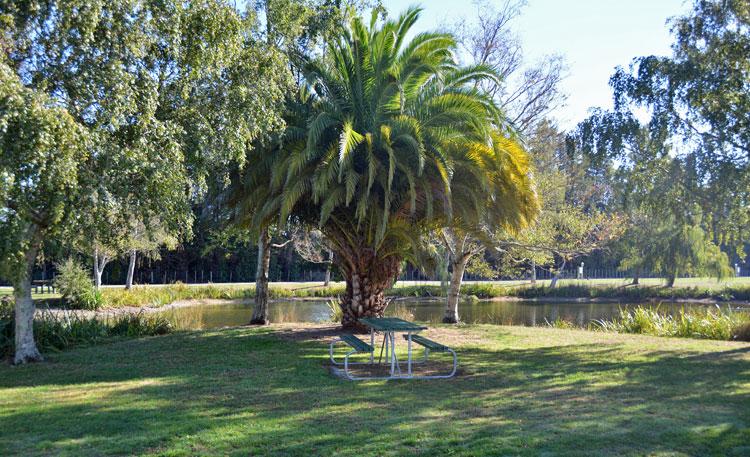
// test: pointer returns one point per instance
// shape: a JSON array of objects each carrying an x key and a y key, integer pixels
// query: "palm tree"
[{"x": 388, "y": 140}]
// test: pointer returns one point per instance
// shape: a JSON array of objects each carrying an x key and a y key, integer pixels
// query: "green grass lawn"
[{"x": 520, "y": 391}]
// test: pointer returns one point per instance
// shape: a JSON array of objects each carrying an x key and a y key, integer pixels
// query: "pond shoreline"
[{"x": 115, "y": 311}]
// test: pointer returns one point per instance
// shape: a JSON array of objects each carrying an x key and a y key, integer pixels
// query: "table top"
[{"x": 391, "y": 324}]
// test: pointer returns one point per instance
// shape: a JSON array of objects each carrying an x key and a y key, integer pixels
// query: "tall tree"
[
  {"x": 699, "y": 98},
  {"x": 170, "y": 94},
  {"x": 659, "y": 192},
  {"x": 398, "y": 142},
  {"x": 147, "y": 240},
  {"x": 525, "y": 93},
  {"x": 42, "y": 152}
]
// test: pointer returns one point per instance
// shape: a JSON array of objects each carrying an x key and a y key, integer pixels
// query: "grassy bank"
[
  {"x": 520, "y": 391},
  {"x": 650, "y": 289}
]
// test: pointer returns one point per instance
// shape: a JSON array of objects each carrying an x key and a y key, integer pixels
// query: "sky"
[{"x": 594, "y": 36}]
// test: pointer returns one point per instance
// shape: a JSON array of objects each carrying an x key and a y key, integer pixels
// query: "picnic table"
[
  {"x": 42, "y": 283},
  {"x": 389, "y": 327}
]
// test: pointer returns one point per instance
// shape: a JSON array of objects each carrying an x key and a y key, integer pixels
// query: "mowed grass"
[{"x": 520, "y": 391}]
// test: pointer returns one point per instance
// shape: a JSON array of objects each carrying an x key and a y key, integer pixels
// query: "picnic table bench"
[
  {"x": 389, "y": 326},
  {"x": 42, "y": 283}
]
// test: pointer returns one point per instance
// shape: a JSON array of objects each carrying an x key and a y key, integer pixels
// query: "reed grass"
[
  {"x": 55, "y": 331},
  {"x": 713, "y": 324}
]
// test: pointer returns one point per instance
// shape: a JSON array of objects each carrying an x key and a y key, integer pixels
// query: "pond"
[{"x": 488, "y": 312}]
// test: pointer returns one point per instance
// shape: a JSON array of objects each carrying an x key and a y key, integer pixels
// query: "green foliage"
[
  {"x": 698, "y": 98},
  {"x": 55, "y": 331},
  {"x": 41, "y": 156},
  {"x": 336, "y": 312},
  {"x": 74, "y": 283},
  {"x": 714, "y": 324},
  {"x": 561, "y": 324},
  {"x": 570, "y": 224},
  {"x": 663, "y": 246}
]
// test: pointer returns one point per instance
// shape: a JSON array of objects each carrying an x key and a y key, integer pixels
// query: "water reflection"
[{"x": 491, "y": 312}]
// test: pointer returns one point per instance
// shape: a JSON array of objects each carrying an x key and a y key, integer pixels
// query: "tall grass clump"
[
  {"x": 336, "y": 312},
  {"x": 560, "y": 323},
  {"x": 713, "y": 324}
]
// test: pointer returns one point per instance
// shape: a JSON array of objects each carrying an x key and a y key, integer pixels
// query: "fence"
[{"x": 203, "y": 276}]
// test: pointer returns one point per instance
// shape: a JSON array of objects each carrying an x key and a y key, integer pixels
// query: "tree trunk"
[
  {"x": 260, "y": 311},
  {"x": 533, "y": 272},
  {"x": 671, "y": 279},
  {"x": 26, "y": 350},
  {"x": 131, "y": 270},
  {"x": 367, "y": 278},
  {"x": 328, "y": 269},
  {"x": 458, "y": 266},
  {"x": 555, "y": 278},
  {"x": 100, "y": 261}
]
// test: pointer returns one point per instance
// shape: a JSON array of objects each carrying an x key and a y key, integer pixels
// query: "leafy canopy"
[{"x": 41, "y": 153}]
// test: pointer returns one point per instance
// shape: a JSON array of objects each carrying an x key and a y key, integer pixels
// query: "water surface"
[{"x": 488, "y": 312}]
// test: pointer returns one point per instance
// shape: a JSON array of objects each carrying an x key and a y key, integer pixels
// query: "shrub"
[{"x": 74, "y": 283}]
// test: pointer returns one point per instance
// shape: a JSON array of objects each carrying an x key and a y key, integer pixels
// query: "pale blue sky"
[{"x": 594, "y": 36}]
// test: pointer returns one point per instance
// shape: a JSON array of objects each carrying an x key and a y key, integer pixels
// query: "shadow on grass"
[{"x": 242, "y": 391}]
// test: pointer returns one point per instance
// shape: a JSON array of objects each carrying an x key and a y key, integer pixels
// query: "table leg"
[
  {"x": 408, "y": 360},
  {"x": 387, "y": 343},
  {"x": 372, "y": 345},
  {"x": 394, "y": 359}
]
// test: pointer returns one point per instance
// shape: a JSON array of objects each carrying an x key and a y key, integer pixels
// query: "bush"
[{"x": 75, "y": 286}]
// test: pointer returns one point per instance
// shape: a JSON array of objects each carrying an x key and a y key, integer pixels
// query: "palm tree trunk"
[
  {"x": 367, "y": 278},
  {"x": 260, "y": 311},
  {"x": 131, "y": 270},
  {"x": 26, "y": 350}
]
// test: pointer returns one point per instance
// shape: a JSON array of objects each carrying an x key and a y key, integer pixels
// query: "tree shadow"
[{"x": 260, "y": 391}]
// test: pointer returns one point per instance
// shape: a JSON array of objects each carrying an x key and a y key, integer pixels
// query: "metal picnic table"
[{"x": 389, "y": 326}]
